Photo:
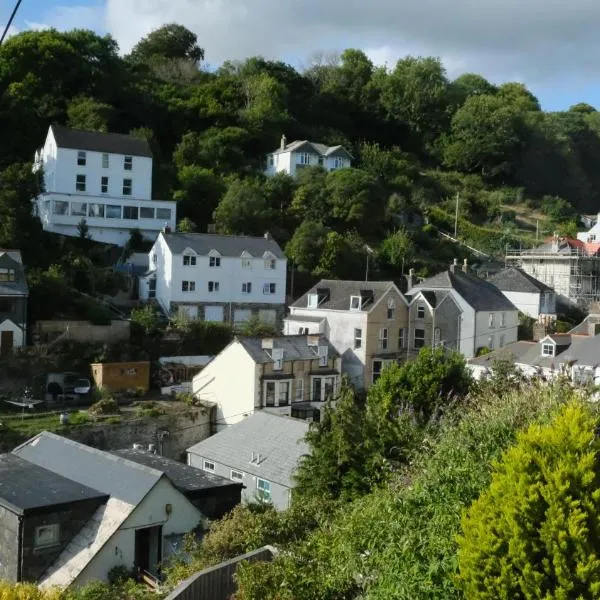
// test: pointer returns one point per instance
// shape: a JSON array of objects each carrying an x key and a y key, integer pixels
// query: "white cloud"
[{"x": 71, "y": 17}]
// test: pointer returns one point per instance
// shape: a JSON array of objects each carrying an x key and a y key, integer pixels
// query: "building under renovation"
[{"x": 571, "y": 267}]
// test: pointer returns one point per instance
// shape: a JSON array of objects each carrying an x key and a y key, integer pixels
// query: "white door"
[{"x": 213, "y": 313}]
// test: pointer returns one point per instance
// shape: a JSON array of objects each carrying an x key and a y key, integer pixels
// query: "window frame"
[
  {"x": 270, "y": 263},
  {"x": 269, "y": 289},
  {"x": 105, "y": 160},
  {"x": 357, "y": 338},
  {"x": 188, "y": 286},
  {"x": 355, "y": 303},
  {"x": 492, "y": 321},
  {"x": 131, "y": 210},
  {"x": 213, "y": 287},
  {"x": 191, "y": 260},
  {"x": 264, "y": 491},
  {"x": 81, "y": 158},
  {"x": 55, "y": 528},
  {"x": 246, "y": 263},
  {"x": 247, "y": 287},
  {"x": 206, "y": 462},
  {"x": 401, "y": 338},
  {"x": 80, "y": 182},
  {"x": 420, "y": 339},
  {"x": 104, "y": 184},
  {"x": 383, "y": 338},
  {"x": 299, "y": 389},
  {"x": 552, "y": 349},
  {"x": 214, "y": 262},
  {"x": 236, "y": 478},
  {"x": 127, "y": 163},
  {"x": 421, "y": 310},
  {"x": 127, "y": 187}
]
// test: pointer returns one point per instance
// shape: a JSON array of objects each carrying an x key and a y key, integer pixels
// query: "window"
[
  {"x": 127, "y": 187},
  {"x": 383, "y": 338},
  {"x": 128, "y": 372},
  {"x": 502, "y": 341},
  {"x": 547, "y": 349},
  {"x": 188, "y": 286},
  {"x": 7, "y": 274},
  {"x": 189, "y": 261},
  {"x": 214, "y": 261},
  {"x": 312, "y": 301},
  {"x": 80, "y": 183},
  {"x": 401, "y": 338},
  {"x": 283, "y": 394},
  {"x": 47, "y": 535},
  {"x": 113, "y": 211},
  {"x": 269, "y": 288},
  {"x": 277, "y": 355},
  {"x": 269, "y": 393},
  {"x": 236, "y": 475},
  {"x": 81, "y": 158},
  {"x": 391, "y": 310},
  {"x": 163, "y": 213},
  {"x": 270, "y": 263},
  {"x": 502, "y": 319},
  {"x": 264, "y": 490},
  {"x": 491, "y": 342},
  {"x": 152, "y": 288},
  {"x": 357, "y": 338},
  {"x": 304, "y": 158},
  {"x": 130, "y": 212},
  {"x": 419, "y": 341},
  {"x": 377, "y": 367},
  {"x": 128, "y": 163},
  {"x": 322, "y": 388},
  {"x": 492, "y": 321},
  {"x": 420, "y": 311},
  {"x": 105, "y": 160},
  {"x": 321, "y": 161},
  {"x": 246, "y": 263},
  {"x": 354, "y": 302},
  {"x": 270, "y": 160},
  {"x": 146, "y": 212},
  {"x": 79, "y": 209},
  {"x": 299, "y": 390},
  {"x": 213, "y": 286},
  {"x": 104, "y": 185},
  {"x": 247, "y": 287},
  {"x": 208, "y": 465},
  {"x": 338, "y": 162},
  {"x": 302, "y": 330},
  {"x": 96, "y": 210},
  {"x": 60, "y": 207}
]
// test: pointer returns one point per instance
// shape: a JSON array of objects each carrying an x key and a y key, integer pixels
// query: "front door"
[
  {"x": 148, "y": 549},
  {"x": 6, "y": 342}
]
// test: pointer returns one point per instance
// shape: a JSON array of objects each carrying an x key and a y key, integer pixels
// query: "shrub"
[
  {"x": 108, "y": 406},
  {"x": 119, "y": 575},
  {"x": 79, "y": 418}
]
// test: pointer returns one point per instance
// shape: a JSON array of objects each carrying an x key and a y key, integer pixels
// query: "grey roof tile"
[
  {"x": 295, "y": 347},
  {"x": 316, "y": 147},
  {"x": 279, "y": 440},
  {"x": 516, "y": 280}
]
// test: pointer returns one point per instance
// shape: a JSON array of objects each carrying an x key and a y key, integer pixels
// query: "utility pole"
[
  {"x": 456, "y": 215},
  {"x": 10, "y": 20}
]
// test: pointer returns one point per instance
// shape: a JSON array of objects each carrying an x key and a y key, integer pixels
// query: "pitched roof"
[
  {"x": 184, "y": 477},
  {"x": 12, "y": 259},
  {"x": 513, "y": 279},
  {"x": 279, "y": 441},
  {"x": 478, "y": 293},
  {"x": 295, "y": 347},
  {"x": 225, "y": 245},
  {"x": 120, "y": 478},
  {"x": 95, "y": 141},
  {"x": 525, "y": 353},
  {"x": 340, "y": 291},
  {"x": 317, "y": 148},
  {"x": 25, "y": 486}
]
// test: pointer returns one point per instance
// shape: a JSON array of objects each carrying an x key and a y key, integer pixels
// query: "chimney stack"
[
  {"x": 409, "y": 279},
  {"x": 268, "y": 236},
  {"x": 555, "y": 242},
  {"x": 465, "y": 266},
  {"x": 454, "y": 265},
  {"x": 283, "y": 143}
]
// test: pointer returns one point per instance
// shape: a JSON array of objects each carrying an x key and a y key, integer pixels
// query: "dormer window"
[
  {"x": 214, "y": 261},
  {"x": 270, "y": 263},
  {"x": 189, "y": 261},
  {"x": 391, "y": 309},
  {"x": 548, "y": 349},
  {"x": 313, "y": 300},
  {"x": 355, "y": 302},
  {"x": 7, "y": 275},
  {"x": 277, "y": 354}
]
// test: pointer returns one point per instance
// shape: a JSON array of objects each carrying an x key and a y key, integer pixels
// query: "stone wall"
[
  {"x": 9, "y": 545},
  {"x": 81, "y": 331}
]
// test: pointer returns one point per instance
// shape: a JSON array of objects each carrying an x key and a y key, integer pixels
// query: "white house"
[
  {"x": 288, "y": 375},
  {"x": 366, "y": 322},
  {"x": 487, "y": 318},
  {"x": 223, "y": 278},
  {"x": 104, "y": 179},
  {"x": 591, "y": 235},
  {"x": 13, "y": 302},
  {"x": 290, "y": 158},
  {"x": 532, "y": 297}
]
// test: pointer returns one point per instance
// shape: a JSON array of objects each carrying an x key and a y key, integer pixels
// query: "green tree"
[
  {"x": 186, "y": 225},
  {"x": 310, "y": 196},
  {"x": 397, "y": 249},
  {"x": 243, "y": 209},
  {"x": 147, "y": 319},
  {"x": 534, "y": 533},
  {"x": 344, "y": 256},
  {"x": 470, "y": 84},
  {"x": 306, "y": 246},
  {"x": 90, "y": 115},
  {"x": 171, "y": 41}
]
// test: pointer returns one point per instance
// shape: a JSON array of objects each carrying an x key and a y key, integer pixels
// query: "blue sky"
[{"x": 550, "y": 45}]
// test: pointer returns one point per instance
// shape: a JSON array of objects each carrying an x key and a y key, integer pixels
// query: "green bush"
[
  {"x": 534, "y": 533},
  {"x": 79, "y": 418},
  {"x": 107, "y": 406}
]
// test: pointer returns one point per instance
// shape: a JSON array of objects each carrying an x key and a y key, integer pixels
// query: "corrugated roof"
[
  {"x": 295, "y": 347},
  {"x": 516, "y": 280},
  {"x": 11, "y": 259},
  {"x": 25, "y": 486},
  {"x": 340, "y": 292},
  {"x": 279, "y": 441},
  {"x": 95, "y": 141},
  {"x": 120, "y": 478},
  {"x": 478, "y": 293},
  {"x": 225, "y": 245}
]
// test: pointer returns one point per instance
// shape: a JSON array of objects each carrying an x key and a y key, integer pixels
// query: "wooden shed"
[{"x": 118, "y": 377}]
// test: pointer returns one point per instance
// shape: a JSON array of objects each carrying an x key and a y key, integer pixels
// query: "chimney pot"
[
  {"x": 465, "y": 266},
  {"x": 283, "y": 142}
]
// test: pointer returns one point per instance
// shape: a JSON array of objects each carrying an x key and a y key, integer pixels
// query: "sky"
[{"x": 550, "y": 45}]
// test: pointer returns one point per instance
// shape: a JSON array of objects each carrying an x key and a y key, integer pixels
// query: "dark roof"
[
  {"x": 339, "y": 292},
  {"x": 225, "y": 245},
  {"x": 479, "y": 294},
  {"x": 430, "y": 297},
  {"x": 11, "y": 259},
  {"x": 184, "y": 477},
  {"x": 516, "y": 280},
  {"x": 295, "y": 347},
  {"x": 25, "y": 486},
  {"x": 95, "y": 141}
]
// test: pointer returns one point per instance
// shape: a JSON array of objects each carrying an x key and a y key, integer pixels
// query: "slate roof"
[
  {"x": 95, "y": 141},
  {"x": 317, "y": 148},
  {"x": 341, "y": 290},
  {"x": 295, "y": 347},
  {"x": 25, "y": 486},
  {"x": 12, "y": 259},
  {"x": 184, "y": 477},
  {"x": 587, "y": 326},
  {"x": 225, "y": 245},
  {"x": 526, "y": 353},
  {"x": 516, "y": 280},
  {"x": 478, "y": 293},
  {"x": 279, "y": 441},
  {"x": 120, "y": 478}
]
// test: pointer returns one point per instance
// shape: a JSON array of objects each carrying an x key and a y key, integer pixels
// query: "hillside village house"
[
  {"x": 70, "y": 513},
  {"x": 532, "y": 297},
  {"x": 222, "y": 278},
  {"x": 13, "y": 302},
  {"x": 287, "y": 375},
  {"x": 365, "y": 321},
  {"x": 102, "y": 178},
  {"x": 291, "y": 158},
  {"x": 487, "y": 318},
  {"x": 262, "y": 452}
]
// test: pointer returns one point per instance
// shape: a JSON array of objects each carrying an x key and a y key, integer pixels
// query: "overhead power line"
[{"x": 10, "y": 20}]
